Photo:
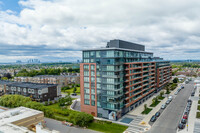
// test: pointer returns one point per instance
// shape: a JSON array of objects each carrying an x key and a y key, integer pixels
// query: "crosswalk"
[{"x": 134, "y": 126}]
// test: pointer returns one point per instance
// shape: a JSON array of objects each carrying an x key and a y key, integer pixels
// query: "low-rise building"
[
  {"x": 38, "y": 92},
  {"x": 60, "y": 80},
  {"x": 22, "y": 120}
]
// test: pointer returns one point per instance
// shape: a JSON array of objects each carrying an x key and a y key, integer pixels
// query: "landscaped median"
[
  {"x": 155, "y": 102},
  {"x": 62, "y": 113},
  {"x": 198, "y": 110}
]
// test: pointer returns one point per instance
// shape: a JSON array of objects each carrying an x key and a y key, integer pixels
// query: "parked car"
[
  {"x": 183, "y": 121},
  {"x": 186, "y": 112},
  {"x": 192, "y": 94},
  {"x": 74, "y": 94},
  {"x": 188, "y": 105},
  {"x": 168, "y": 101},
  {"x": 182, "y": 87},
  {"x": 170, "y": 97},
  {"x": 157, "y": 114},
  {"x": 188, "y": 108},
  {"x": 153, "y": 118},
  {"x": 176, "y": 93},
  {"x": 163, "y": 106},
  {"x": 185, "y": 116},
  {"x": 189, "y": 101},
  {"x": 181, "y": 126}
]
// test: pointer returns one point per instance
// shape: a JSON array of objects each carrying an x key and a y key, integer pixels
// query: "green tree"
[
  {"x": 67, "y": 100},
  {"x": 175, "y": 80},
  {"x": 145, "y": 106},
  {"x": 74, "y": 90}
]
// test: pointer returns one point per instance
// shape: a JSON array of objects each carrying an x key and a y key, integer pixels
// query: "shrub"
[
  {"x": 67, "y": 100},
  {"x": 175, "y": 80}
]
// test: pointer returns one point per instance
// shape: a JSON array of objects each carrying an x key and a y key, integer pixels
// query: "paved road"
[
  {"x": 170, "y": 117},
  {"x": 57, "y": 125}
]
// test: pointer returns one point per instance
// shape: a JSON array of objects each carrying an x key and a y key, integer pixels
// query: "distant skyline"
[{"x": 54, "y": 30}]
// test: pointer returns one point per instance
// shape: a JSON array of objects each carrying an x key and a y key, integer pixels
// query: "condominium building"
[{"x": 119, "y": 77}]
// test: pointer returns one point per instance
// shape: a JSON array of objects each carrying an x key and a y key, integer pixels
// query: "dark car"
[
  {"x": 188, "y": 105},
  {"x": 74, "y": 94},
  {"x": 188, "y": 109},
  {"x": 192, "y": 94},
  {"x": 186, "y": 112},
  {"x": 157, "y": 114},
  {"x": 181, "y": 126},
  {"x": 153, "y": 118},
  {"x": 183, "y": 121},
  {"x": 189, "y": 101},
  {"x": 182, "y": 87}
]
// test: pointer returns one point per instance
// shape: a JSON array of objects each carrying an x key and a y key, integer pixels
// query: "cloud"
[{"x": 56, "y": 28}]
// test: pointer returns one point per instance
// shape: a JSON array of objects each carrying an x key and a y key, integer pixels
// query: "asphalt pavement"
[
  {"x": 171, "y": 115},
  {"x": 57, "y": 125}
]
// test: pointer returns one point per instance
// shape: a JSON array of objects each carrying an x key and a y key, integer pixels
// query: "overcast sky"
[{"x": 54, "y": 30}]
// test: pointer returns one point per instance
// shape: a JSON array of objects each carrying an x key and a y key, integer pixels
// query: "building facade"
[
  {"x": 118, "y": 78},
  {"x": 38, "y": 92}
]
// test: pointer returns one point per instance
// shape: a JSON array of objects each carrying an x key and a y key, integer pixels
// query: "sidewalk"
[{"x": 147, "y": 117}]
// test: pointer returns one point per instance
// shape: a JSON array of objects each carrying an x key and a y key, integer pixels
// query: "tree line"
[{"x": 47, "y": 71}]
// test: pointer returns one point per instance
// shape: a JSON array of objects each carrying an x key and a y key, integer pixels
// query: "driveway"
[{"x": 57, "y": 125}]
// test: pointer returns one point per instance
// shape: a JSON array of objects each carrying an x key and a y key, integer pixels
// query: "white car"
[
  {"x": 170, "y": 97},
  {"x": 163, "y": 106}
]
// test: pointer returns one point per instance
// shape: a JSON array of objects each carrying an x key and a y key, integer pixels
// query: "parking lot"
[{"x": 170, "y": 117}]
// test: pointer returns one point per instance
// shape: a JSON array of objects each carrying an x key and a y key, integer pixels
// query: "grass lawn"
[
  {"x": 147, "y": 111},
  {"x": 198, "y": 107},
  {"x": 168, "y": 92},
  {"x": 199, "y": 102},
  {"x": 71, "y": 91},
  {"x": 56, "y": 106},
  {"x": 198, "y": 115},
  {"x": 155, "y": 104},
  {"x": 107, "y": 127},
  {"x": 161, "y": 98}
]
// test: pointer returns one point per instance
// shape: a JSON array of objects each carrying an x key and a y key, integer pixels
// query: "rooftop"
[
  {"x": 12, "y": 115},
  {"x": 11, "y": 128},
  {"x": 31, "y": 85}
]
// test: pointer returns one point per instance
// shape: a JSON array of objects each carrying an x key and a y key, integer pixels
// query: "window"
[
  {"x": 92, "y": 73},
  {"x": 86, "y": 96},
  {"x": 86, "y": 90},
  {"x": 98, "y": 85},
  {"x": 93, "y": 103},
  {"x": 110, "y": 54},
  {"x": 92, "y": 67},
  {"x": 98, "y": 104},
  {"x": 110, "y": 87},
  {"x": 110, "y": 68},
  {"x": 98, "y": 79},
  {"x": 86, "y": 60},
  {"x": 86, "y": 54},
  {"x": 86, "y": 85},
  {"x": 92, "y": 54},
  {"x": 87, "y": 102},
  {"x": 98, "y": 54},
  {"x": 92, "y": 91},
  {"x": 86, "y": 67},
  {"x": 19, "y": 89},
  {"x": 109, "y": 80},
  {"x": 24, "y": 90},
  {"x": 93, "y": 97},
  {"x": 92, "y": 79},
  {"x": 110, "y": 93},
  {"x": 86, "y": 79},
  {"x": 86, "y": 73}
]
